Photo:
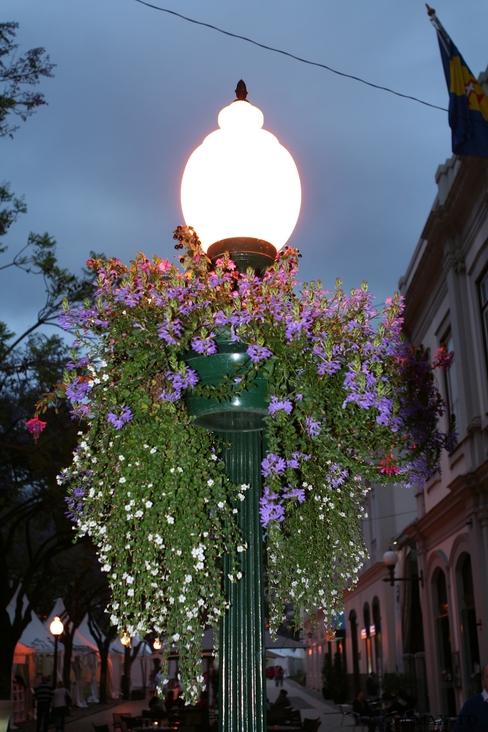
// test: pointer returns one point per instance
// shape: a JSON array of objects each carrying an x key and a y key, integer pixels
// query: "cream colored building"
[{"x": 437, "y": 630}]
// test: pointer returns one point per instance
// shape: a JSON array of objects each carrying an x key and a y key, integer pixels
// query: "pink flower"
[
  {"x": 164, "y": 265},
  {"x": 35, "y": 426},
  {"x": 387, "y": 465}
]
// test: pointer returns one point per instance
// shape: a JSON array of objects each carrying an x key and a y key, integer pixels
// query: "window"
[
  {"x": 483, "y": 285},
  {"x": 451, "y": 395}
]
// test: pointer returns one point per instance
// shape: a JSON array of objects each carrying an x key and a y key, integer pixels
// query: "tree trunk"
[
  {"x": 125, "y": 682},
  {"x": 104, "y": 651},
  {"x": 68, "y": 652},
  {"x": 7, "y": 648}
]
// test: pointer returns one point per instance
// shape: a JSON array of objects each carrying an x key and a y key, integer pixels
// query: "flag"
[{"x": 468, "y": 104}]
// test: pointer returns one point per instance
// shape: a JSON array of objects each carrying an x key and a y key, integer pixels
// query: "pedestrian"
[
  {"x": 61, "y": 702},
  {"x": 363, "y": 713},
  {"x": 279, "y": 673},
  {"x": 473, "y": 716},
  {"x": 43, "y": 695},
  {"x": 372, "y": 687}
]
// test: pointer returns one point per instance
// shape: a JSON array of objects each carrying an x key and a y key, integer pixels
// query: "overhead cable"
[{"x": 293, "y": 56}]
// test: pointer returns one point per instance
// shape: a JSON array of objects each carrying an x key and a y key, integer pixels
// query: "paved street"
[{"x": 306, "y": 702}]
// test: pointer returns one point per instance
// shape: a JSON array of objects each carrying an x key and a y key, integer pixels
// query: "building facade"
[{"x": 433, "y": 623}]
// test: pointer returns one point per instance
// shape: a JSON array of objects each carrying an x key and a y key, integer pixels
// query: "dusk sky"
[{"x": 136, "y": 90}]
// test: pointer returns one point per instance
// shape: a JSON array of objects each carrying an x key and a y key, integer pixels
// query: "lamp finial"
[{"x": 241, "y": 91}]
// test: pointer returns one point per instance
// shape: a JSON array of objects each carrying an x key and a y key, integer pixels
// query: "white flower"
[
  {"x": 153, "y": 450},
  {"x": 221, "y": 504},
  {"x": 241, "y": 496},
  {"x": 130, "y": 592},
  {"x": 122, "y": 480},
  {"x": 121, "y": 458},
  {"x": 170, "y": 519},
  {"x": 182, "y": 598},
  {"x": 148, "y": 504},
  {"x": 239, "y": 575},
  {"x": 210, "y": 482},
  {"x": 176, "y": 637},
  {"x": 139, "y": 513}
]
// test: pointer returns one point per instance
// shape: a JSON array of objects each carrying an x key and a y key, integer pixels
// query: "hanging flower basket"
[{"x": 168, "y": 356}]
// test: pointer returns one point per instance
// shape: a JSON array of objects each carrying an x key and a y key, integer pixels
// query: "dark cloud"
[{"x": 135, "y": 91}]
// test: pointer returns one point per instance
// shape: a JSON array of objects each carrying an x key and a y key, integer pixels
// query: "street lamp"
[
  {"x": 240, "y": 189},
  {"x": 241, "y": 193},
  {"x": 390, "y": 559},
  {"x": 56, "y": 628},
  {"x": 125, "y": 639}
]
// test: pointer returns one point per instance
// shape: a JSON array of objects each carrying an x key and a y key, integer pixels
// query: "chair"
[
  {"x": 311, "y": 725},
  {"x": 346, "y": 711},
  {"x": 118, "y": 719}
]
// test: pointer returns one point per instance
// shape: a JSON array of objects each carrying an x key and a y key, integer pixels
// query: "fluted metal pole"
[{"x": 242, "y": 688}]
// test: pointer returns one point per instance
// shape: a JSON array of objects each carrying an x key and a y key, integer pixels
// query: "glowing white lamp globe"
[
  {"x": 56, "y": 626},
  {"x": 241, "y": 188}
]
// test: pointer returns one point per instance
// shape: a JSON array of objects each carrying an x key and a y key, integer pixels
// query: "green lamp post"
[{"x": 241, "y": 192}]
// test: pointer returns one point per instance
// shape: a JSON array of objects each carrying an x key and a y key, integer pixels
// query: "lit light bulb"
[
  {"x": 125, "y": 639},
  {"x": 156, "y": 644},
  {"x": 241, "y": 182},
  {"x": 56, "y": 626}
]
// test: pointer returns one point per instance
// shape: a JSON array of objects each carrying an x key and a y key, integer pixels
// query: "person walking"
[
  {"x": 61, "y": 702},
  {"x": 473, "y": 716},
  {"x": 43, "y": 695}
]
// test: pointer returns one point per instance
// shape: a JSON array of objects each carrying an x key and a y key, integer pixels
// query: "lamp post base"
[
  {"x": 242, "y": 689},
  {"x": 246, "y": 252}
]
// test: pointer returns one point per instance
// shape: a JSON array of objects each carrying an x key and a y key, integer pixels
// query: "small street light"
[
  {"x": 56, "y": 628},
  {"x": 125, "y": 639},
  {"x": 156, "y": 644},
  {"x": 390, "y": 559}
]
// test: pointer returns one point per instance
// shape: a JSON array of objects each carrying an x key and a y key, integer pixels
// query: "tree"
[
  {"x": 33, "y": 526},
  {"x": 104, "y": 633},
  {"x": 17, "y": 75}
]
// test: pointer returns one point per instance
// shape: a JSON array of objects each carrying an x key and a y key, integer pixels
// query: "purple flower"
[
  {"x": 312, "y": 427},
  {"x": 205, "y": 346},
  {"x": 74, "y": 502},
  {"x": 270, "y": 507},
  {"x": 278, "y": 405},
  {"x": 179, "y": 380},
  {"x": 169, "y": 332},
  {"x": 77, "y": 390},
  {"x": 258, "y": 353},
  {"x": 291, "y": 492},
  {"x": 119, "y": 420},
  {"x": 328, "y": 368},
  {"x": 272, "y": 465}
]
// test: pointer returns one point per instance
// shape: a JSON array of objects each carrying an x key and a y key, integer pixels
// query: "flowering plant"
[{"x": 149, "y": 486}]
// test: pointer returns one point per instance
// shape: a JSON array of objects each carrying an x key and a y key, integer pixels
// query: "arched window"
[
  {"x": 443, "y": 638},
  {"x": 353, "y": 621},
  {"x": 377, "y": 643},
  {"x": 367, "y": 638},
  {"x": 469, "y": 646}
]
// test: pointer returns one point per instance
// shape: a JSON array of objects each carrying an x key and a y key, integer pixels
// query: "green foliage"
[
  {"x": 18, "y": 73},
  {"x": 148, "y": 486}
]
